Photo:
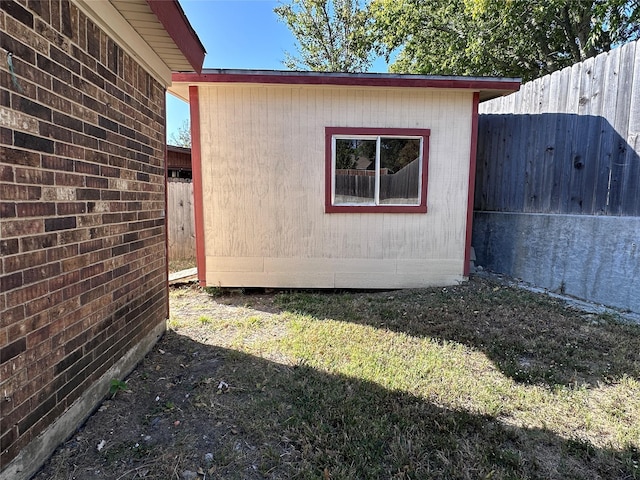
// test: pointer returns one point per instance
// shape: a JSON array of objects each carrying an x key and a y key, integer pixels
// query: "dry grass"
[{"x": 475, "y": 381}]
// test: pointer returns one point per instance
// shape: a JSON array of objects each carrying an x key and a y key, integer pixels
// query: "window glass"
[
  {"x": 400, "y": 162},
  {"x": 355, "y": 171},
  {"x": 377, "y": 171}
]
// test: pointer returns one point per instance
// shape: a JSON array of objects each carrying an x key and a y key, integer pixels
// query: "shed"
[{"x": 332, "y": 180}]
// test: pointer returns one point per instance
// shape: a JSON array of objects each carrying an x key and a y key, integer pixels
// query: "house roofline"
[
  {"x": 488, "y": 87},
  {"x": 175, "y": 22}
]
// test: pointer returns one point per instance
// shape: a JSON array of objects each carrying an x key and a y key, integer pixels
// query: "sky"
[{"x": 243, "y": 34}]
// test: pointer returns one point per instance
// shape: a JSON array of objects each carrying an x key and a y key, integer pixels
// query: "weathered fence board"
[
  {"x": 180, "y": 219},
  {"x": 565, "y": 143}
]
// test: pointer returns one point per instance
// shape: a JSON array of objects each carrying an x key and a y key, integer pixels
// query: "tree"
[
  {"x": 331, "y": 35},
  {"x": 520, "y": 38},
  {"x": 182, "y": 137}
]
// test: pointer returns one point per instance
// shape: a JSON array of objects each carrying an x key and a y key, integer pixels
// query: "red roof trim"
[
  {"x": 472, "y": 184},
  {"x": 370, "y": 80},
  {"x": 198, "y": 202},
  {"x": 177, "y": 25}
]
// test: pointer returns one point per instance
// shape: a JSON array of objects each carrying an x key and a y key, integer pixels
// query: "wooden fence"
[
  {"x": 568, "y": 142},
  {"x": 180, "y": 219},
  {"x": 396, "y": 186}
]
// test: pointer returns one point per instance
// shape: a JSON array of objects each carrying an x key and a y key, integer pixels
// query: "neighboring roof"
[
  {"x": 489, "y": 87},
  {"x": 161, "y": 25},
  {"x": 178, "y": 158},
  {"x": 177, "y": 149}
]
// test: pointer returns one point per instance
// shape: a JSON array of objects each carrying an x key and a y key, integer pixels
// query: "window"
[{"x": 376, "y": 170}]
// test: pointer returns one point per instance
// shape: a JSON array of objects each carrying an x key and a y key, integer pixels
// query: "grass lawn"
[{"x": 468, "y": 382}]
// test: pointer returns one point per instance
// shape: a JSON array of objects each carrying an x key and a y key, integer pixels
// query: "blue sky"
[{"x": 237, "y": 34}]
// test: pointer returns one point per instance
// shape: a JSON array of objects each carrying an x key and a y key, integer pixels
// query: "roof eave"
[
  {"x": 175, "y": 22},
  {"x": 489, "y": 87}
]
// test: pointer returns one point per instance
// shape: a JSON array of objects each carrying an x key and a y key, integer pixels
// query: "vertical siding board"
[
  {"x": 556, "y": 148},
  {"x": 610, "y": 81},
  {"x": 493, "y": 160},
  {"x": 513, "y": 161},
  {"x": 631, "y": 199},
  {"x": 502, "y": 162},
  {"x": 619, "y": 166},
  {"x": 522, "y": 127},
  {"x": 572, "y": 180},
  {"x": 484, "y": 139},
  {"x": 181, "y": 222},
  {"x": 540, "y": 135},
  {"x": 593, "y": 142}
]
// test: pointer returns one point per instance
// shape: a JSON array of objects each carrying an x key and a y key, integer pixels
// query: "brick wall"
[{"x": 82, "y": 192}]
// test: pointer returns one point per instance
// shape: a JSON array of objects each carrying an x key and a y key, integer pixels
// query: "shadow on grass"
[
  {"x": 274, "y": 421},
  {"x": 529, "y": 337}
]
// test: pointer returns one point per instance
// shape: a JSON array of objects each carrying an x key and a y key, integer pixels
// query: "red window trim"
[{"x": 412, "y": 132}]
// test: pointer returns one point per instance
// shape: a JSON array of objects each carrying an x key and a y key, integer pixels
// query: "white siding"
[{"x": 263, "y": 188}]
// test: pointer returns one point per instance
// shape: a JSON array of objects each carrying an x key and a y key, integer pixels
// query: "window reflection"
[{"x": 377, "y": 171}]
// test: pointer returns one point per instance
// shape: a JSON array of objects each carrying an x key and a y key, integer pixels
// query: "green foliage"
[
  {"x": 117, "y": 386},
  {"x": 332, "y": 35},
  {"x": 520, "y": 38}
]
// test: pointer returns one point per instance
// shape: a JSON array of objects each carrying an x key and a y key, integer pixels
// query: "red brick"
[
  {"x": 11, "y": 281},
  {"x": 59, "y": 223},
  {"x": 39, "y": 336},
  {"x": 13, "y": 313},
  {"x": 91, "y": 245},
  {"x": 27, "y": 294},
  {"x": 34, "y": 322},
  {"x": 62, "y": 252},
  {"x": 24, "y": 261},
  {"x": 91, "y": 271},
  {"x": 40, "y": 209},
  {"x": 68, "y": 150},
  {"x": 19, "y": 157},
  {"x": 57, "y": 163},
  {"x": 7, "y": 210},
  {"x": 72, "y": 236},
  {"x": 74, "y": 263},
  {"x": 73, "y": 291},
  {"x": 71, "y": 208},
  {"x": 38, "y": 242},
  {"x": 6, "y": 173},
  {"x": 69, "y": 179},
  {"x": 12, "y": 350},
  {"x": 85, "y": 162},
  {"x": 18, "y": 228},
  {"x": 33, "y": 176},
  {"x": 60, "y": 281},
  {"x": 40, "y": 273},
  {"x": 10, "y": 191},
  {"x": 16, "y": 331}
]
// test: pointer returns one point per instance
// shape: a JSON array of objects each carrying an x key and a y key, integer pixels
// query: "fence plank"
[
  {"x": 631, "y": 197},
  {"x": 180, "y": 220},
  {"x": 567, "y": 142}
]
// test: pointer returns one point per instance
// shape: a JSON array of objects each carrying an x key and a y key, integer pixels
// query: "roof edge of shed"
[{"x": 488, "y": 87}]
